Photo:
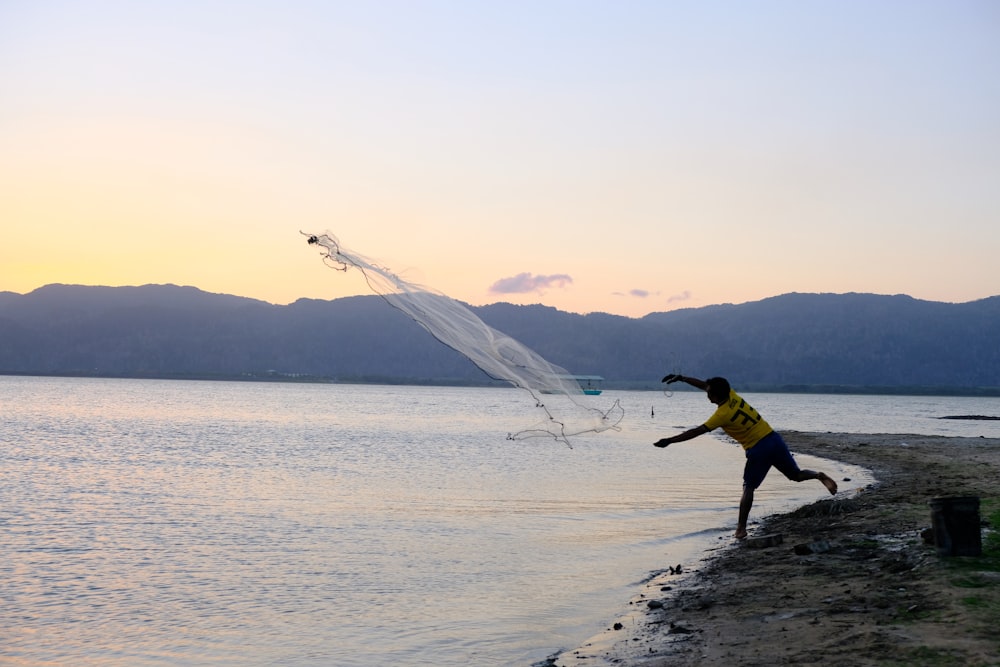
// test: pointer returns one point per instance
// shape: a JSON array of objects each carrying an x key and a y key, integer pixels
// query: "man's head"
[{"x": 718, "y": 390}]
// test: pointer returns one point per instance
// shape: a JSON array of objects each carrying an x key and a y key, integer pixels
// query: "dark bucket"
[{"x": 956, "y": 526}]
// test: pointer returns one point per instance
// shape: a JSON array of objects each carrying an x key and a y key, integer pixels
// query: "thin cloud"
[
  {"x": 683, "y": 296},
  {"x": 524, "y": 283},
  {"x": 637, "y": 293}
]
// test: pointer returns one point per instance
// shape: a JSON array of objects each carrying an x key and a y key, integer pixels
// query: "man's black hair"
[{"x": 718, "y": 387}]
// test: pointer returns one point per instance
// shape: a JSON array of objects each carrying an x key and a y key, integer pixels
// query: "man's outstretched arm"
[
  {"x": 694, "y": 382},
  {"x": 681, "y": 437}
]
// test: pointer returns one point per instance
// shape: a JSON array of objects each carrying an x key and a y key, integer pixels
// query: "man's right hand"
[{"x": 673, "y": 377}]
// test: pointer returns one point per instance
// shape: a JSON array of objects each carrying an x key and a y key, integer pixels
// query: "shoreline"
[{"x": 871, "y": 593}]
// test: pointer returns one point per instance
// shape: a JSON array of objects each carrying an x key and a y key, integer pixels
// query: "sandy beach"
[{"x": 862, "y": 588}]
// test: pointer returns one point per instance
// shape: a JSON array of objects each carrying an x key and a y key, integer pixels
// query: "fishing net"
[{"x": 567, "y": 409}]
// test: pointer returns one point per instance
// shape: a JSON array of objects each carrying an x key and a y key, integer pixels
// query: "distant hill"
[{"x": 795, "y": 341}]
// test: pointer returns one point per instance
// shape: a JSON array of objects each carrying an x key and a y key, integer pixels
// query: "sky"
[{"x": 624, "y": 157}]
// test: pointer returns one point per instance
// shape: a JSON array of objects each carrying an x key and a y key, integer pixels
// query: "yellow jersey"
[{"x": 740, "y": 421}]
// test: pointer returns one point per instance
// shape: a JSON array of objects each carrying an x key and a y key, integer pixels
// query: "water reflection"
[{"x": 197, "y": 522}]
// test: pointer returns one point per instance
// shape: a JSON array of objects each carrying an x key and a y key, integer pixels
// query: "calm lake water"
[{"x": 149, "y": 522}]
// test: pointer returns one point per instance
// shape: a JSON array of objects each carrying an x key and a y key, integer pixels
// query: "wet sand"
[{"x": 870, "y": 590}]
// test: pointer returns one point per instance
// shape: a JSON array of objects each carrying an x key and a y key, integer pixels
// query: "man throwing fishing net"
[{"x": 763, "y": 445}]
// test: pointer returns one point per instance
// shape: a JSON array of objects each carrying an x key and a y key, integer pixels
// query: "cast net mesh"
[{"x": 568, "y": 411}]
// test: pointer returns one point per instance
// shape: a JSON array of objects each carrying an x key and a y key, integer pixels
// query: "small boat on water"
[{"x": 590, "y": 384}]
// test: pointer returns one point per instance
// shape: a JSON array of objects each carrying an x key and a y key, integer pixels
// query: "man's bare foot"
[
  {"x": 741, "y": 534},
  {"x": 830, "y": 485}
]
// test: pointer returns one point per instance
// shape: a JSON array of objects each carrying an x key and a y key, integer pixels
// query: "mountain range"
[{"x": 823, "y": 342}]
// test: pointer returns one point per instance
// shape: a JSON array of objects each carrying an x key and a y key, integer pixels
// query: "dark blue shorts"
[{"x": 771, "y": 450}]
